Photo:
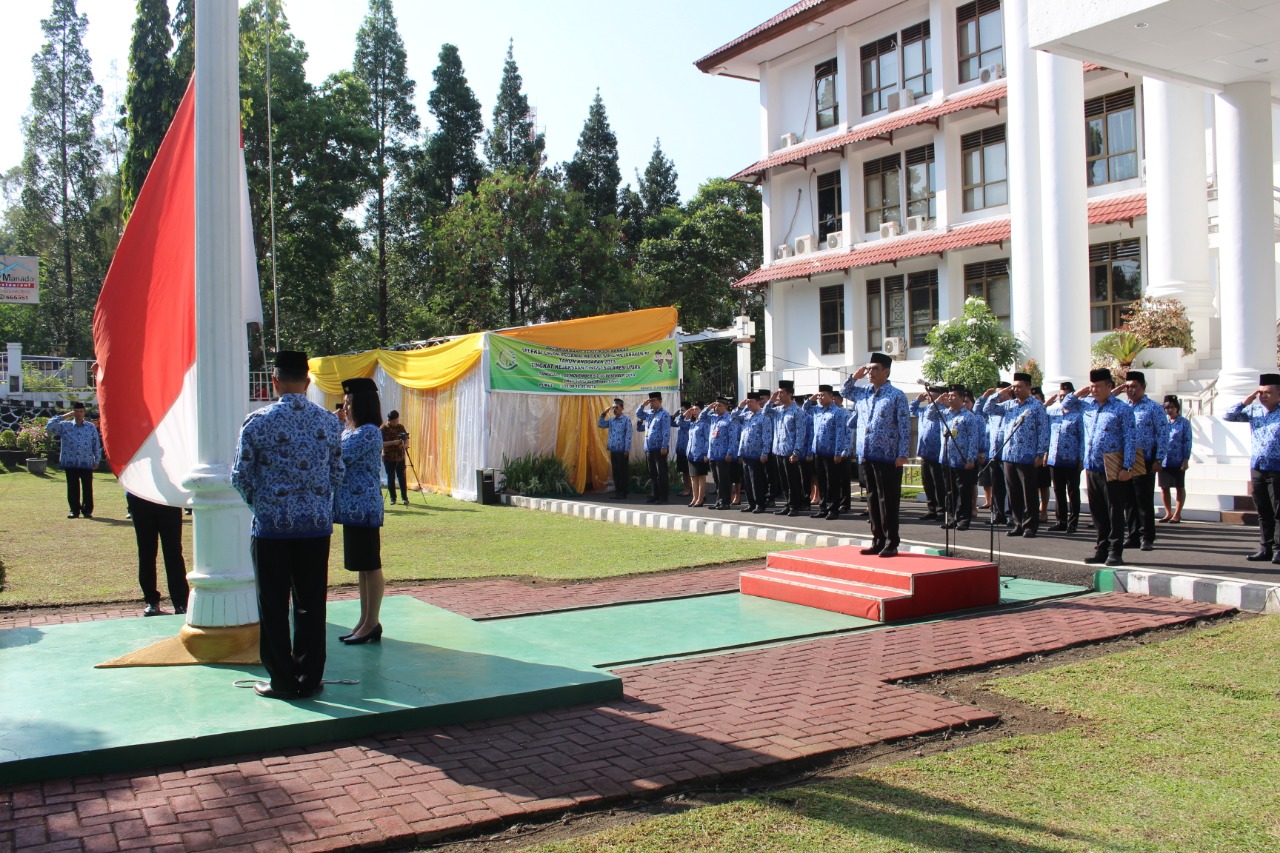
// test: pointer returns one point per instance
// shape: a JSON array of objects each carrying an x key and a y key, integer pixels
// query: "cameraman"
[{"x": 395, "y": 443}]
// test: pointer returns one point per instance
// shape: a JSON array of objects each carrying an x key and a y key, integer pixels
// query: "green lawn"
[
  {"x": 1175, "y": 750},
  {"x": 50, "y": 559}
]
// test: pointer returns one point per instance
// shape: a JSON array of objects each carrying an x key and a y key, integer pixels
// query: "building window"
[
  {"x": 917, "y": 62},
  {"x": 829, "y": 205},
  {"x": 1111, "y": 137},
  {"x": 824, "y": 94},
  {"x": 831, "y": 315},
  {"x": 879, "y": 74},
  {"x": 985, "y": 174},
  {"x": 882, "y": 191},
  {"x": 886, "y": 310},
  {"x": 1115, "y": 280},
  {"x": 921, "y": 183},
  {"x": 980, "y": 31},
  {"x": 989, "y": 282},
  {"x": 875, "y": 316},
  {"x": 922, "y": 301}
]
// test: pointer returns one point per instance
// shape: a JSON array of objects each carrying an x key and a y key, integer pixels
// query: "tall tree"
[
  {"x": 151, "y": 97},
  {"x": 453, "y": 166},
  {"x": 513, "y": 144},
  {"x": 380, "y": 63},
  {"x": 658, "y": 189},
  {"x": 61, "y": 167},
  {"x": 593, "y": 171},
  {"x": 184, "y": 37}
]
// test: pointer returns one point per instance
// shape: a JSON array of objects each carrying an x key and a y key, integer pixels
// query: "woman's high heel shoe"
[
  {"x": 346, "y": 637},
  {"x": 374, "y": 636}
]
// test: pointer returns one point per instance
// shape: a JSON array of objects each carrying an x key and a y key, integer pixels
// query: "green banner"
[{"x": 533, "y": 369}]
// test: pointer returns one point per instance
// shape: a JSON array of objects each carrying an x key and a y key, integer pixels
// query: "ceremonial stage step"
[{"x": 842, "y": 580}]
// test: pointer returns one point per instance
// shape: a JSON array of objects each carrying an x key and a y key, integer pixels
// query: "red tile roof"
[
  {"x": 1101, "y": 211},
  {"x": 908, "y": 117},
  {"x": 788, "y": 19}
]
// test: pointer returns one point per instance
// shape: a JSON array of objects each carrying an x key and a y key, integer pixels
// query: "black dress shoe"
[
  {"x": 1017, "y": 531},
  {"x": 1001, "y": 521},
  {"x": 1147, "y": 546},
  {"x": 181, "y": 611},
  {"x": 1060, "y": 527},
  {"x": 1029, "y": 533},
  {"x": 832, "y": 516},
  {"x": 786, "y": 510},
  {"x": 889, "y": 551},
  {"x": 930, "y": 516},
  {"x": 747, "y": 509},
  {"x": 1095, "y": 560},
  {"x": 963, "y": 525},
  {"x": 822, "y": 514},
  {"x": 266, "y": 691},
  {"x": 876, "y": 548},
  {"x": 759, "y": 511},
  {"x": 73, "y": 515},
  {"x": 151, "y": 610},
  {"x": 1276, "y": 559},
  {"x": 1115, "y": 560},
  {"x": 651, "y": 500},
  {"x": 87, "y": 514},
  {"x": 1262, "y": 556},
  {"x": 1132, "y": 542},
  {"x": 1071, "y": 528},
  {"x": 305, "y": 692}
]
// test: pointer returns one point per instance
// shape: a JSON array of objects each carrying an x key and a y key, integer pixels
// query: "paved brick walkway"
[{"x": 681, "y": 722}]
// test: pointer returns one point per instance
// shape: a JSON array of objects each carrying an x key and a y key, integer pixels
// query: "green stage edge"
[{"x": 61, "y": 717}]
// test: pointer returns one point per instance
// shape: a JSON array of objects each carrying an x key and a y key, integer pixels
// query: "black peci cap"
[
  {"x": 1137, "y": 376},
  {"x": 1003, "y": 384},
  {"x": 881, "y": 359},
  {"x": 291, "y": 361},
  {"x": 655, "y": 395},
  {"x": 825, "y": 389},
  {"x": 1022, "y": 377},
  {"x": 1101, "y": 374},
  {"x": 787, "y": 385},
  {"x": 1269, "y": 379}
]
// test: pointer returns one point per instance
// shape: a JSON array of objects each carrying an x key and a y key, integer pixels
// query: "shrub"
[
  {"x": 539, "y": 475},
  {"x": 8, "y": 440},
  {"x": 34, "y": 438},
  {"x": 1161, "y": 323},
  {"x": 1033, "y": 367},
  {"x": 970, "y": 349},
  {"x": 1117, "y": 351}
]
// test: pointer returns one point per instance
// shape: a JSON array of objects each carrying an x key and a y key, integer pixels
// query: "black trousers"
[
  {"x": 620, "y": 463},
  {"x": 1066, "y": 493},
  {"x": 756, "y": 485},
  {"x": 296, "y": 569},
  {"x": 959, "y": 501},
  {"x": 884, "y": 493},
  {"x": 828, "y": 473},
  {"x": 1266, "y": 497},
  {"x": 1024, "y": 499},
  {"x": 724, "y": 471},
  {"x": 808, "y": 473},
  {"x": 658, "y": 474},
  {"x": 796, "y": 497},
  {"x": 80, "y": 490},
  {"x": 999, "y": 489},
  {"x": 1107, "y": 501},
  {"x": 1140, "y": 515},
  {"x": 152, "y": 522},
  {"x": 933, "y": 477},
  {"x": 682, "y": 467},
  {"x": 395, "y": 470},
  {"x": 845, "y": 472},
  {"x": 776, "y": 471}
]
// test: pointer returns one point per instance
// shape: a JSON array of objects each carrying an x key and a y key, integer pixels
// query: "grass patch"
[
  {"x": 1175, "y": 751},
  {"x": 49, "y": 559}
]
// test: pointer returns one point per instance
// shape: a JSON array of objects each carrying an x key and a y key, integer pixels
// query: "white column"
[
  {"x": 1023, "y": 134},
  {"x": 15, "y": 370},
  {"x": 1065, "y": 211},
  {"x": 1177, "y": 202},
  {"x": 222, "y": 586},
  {"x": 1246, "y": 241}
]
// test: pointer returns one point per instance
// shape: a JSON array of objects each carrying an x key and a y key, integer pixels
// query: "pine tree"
[
  {"x": 61, "y": 173},
  {"x": 453, "y": 167},
  {"x": 514, "y": 143},
  {"x": 593, "y": 171},
  {"x": 149, "y": 101},
  {"x": 184, "y": 37},
  {"x": 380, "y": 63},
  {"x": 658, "y": 189}
]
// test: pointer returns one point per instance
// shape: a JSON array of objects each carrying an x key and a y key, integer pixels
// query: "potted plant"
[
  {"x": 970, "y": 349},
  {"x": 9, "y": 452},
  {"x": 1163, "y": 325},
  {"x": 33, "y": 440},
  {"x": 1118, "y": 351}
]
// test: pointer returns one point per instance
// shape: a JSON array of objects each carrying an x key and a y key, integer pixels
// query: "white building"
[{"x": 916, "y": 153}]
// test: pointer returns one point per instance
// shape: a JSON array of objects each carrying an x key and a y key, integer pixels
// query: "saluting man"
[
  {"x": 1261, "y": 411},
  {"x": 1026, "y": 445},
  {"x": 831, "y": 446},
  {"x": 790, "y": 426},
  {"x": 657, "y": 444},
  {"x": 755, "y": 437},
  {"x": 1109, "y": 452},
  {"x": 963, "y": 438},
  {"x": 1152, "y": 437},
  {"x": 928, "y": 446},
  {"x": 1066, "y": 447},
  {"x": 80, "y": 454},
  {"x": 619, "y": 427},
  {"x": 884, "y": 437}
]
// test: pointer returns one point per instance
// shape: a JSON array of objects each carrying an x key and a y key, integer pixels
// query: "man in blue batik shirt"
[
  {"x": 682, "y": 425},
  {"x": 288, "y": 465},
  {"x": 619, "y": 427},
  {"x": 962, "y": 441},
  {"x": 1025, "y": 432},
  {"x": 657, "y": 444},
  {"x": 884, "y": 438},
  {"x": 831, "y": 445},
  {"x": 788, "y": 433},
  {"x": 1261, "y": 411},
  {"x": 991, "y": 477},
  {"x": 1109, "y": 452},
  {"x": 1066, "y": 446},
  {"x": 80, "y": 453},
  {"x": 722, "y": 450},
  {"x": 1152, "y": 437},
  {"x": 755, "y": 437},
  {"x": 928, "y": 443}
]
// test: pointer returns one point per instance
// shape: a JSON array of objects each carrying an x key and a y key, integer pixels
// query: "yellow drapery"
[
  {"x": 582, "y": 445},
  {"x": 423, "y": 369},
  {"x": 609, "y": 331}
]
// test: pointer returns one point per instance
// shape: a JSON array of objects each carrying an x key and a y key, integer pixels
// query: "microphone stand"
[
  {"x": 991, "y": 547},
  {"x": 949, "y": 505}
]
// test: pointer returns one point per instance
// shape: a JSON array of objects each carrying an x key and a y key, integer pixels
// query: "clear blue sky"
[{"x": 640, "y": 56}]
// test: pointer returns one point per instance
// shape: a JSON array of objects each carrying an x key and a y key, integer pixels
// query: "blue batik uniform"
[
  {"x": 1108, "y": 428},
  {"x": 804, "y": 435},
  {"x": 755, "y": 436},
  {"x": 619, "y": 427},
  {"x": 1066, "y": 436},
  {"x": 831, "y": 436},
  {"x": 884, "y": 421},
  {"x": 699, "y": 438},
  {"x": 994, "y": 421},
  {"x": 1151, "y": 429},
  {"x": 788, "y": 430},
  {"x": 723, "y": 444},
  {"x": 966, "y": 440},
  {"x": 1031, "y": 436},
  {"x": 683, "y": 425},
  {"x": 358, "y": 500},
  {"x": 81, "y": 444},
  {"x": 288, "y": 464},
  {"x": 1177, "y": 443},
  {"x": 657, "y": 432},
  {"x": 1264, "y": 433},
  {"x": 928, "y": 432}
]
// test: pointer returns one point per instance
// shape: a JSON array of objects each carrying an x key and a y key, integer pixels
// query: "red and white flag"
[{"x": 144, "y": 327}]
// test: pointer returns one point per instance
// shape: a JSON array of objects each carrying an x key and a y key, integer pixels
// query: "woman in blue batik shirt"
[
  {"x": 1173, "y": 467},
  {"x": 696, "y": 449},
  {"x": 357, "y": 504}
]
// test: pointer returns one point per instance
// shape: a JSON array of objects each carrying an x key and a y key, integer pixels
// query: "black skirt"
[
  {"x": 1172, "y": 478},
  {"x": 699, "y": 469},
  {"x": 361, "y": 548}
]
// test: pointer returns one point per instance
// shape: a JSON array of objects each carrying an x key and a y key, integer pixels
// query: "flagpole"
[{"x": 222, "y": 613}]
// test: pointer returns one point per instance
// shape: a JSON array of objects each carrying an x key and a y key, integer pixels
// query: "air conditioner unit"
[
  {"x": 835, "y": 240},
  {"x": 888, "y": 229},
  {"x": 916, "y": 223},
  {"x": 896, "y": 348},
  {"x": 789, "y": 139},
  {"x": 906, "y": 98},
  {"x": 987, "y": 73},
  {"x": 804, "y": 244},
  {"x": 784, "y": 251}
]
